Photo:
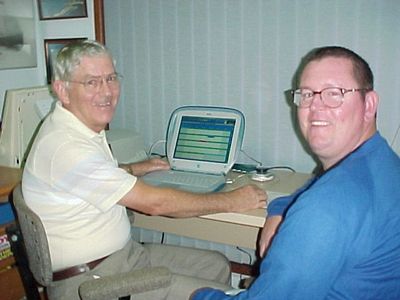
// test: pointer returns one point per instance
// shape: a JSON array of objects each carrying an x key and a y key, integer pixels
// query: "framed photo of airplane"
[{"x": 62, "y": 9}]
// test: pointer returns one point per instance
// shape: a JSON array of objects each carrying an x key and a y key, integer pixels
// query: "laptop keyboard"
[
  {"x": 193, "y": 179},
  {"x": 190, "y": 181}
]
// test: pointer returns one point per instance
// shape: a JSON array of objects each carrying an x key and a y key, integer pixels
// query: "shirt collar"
[{"x": 366, "y": 147}]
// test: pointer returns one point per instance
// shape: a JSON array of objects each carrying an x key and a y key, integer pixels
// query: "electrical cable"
[
  {"x": 265, "y": 169},
  {"x": 162, "y": 238},
  {"x": 245, "y": 252},
  {"x": 280, "y": 167},
  {"x": 150, "y": 152},
  {"x": 253, "y": 159},
  {"x": 395, "y": 136}
]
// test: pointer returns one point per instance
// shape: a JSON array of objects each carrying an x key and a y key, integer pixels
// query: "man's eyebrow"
[{"x": 99, "y": 76}]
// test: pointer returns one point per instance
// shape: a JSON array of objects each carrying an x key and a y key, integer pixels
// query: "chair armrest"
[{"x": 124, "y": 284}]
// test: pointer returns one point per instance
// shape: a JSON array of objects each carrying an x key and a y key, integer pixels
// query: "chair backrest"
[{"x": 35, "y": 240}]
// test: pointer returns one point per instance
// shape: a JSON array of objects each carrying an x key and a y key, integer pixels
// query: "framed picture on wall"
[
  {"x": 62, "y": 9},
  {"x": 51, "y": 48},
  {"x": 17, "y": 35}
]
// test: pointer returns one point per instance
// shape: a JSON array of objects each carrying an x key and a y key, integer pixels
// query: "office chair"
[{"x": 31, "y": 250}]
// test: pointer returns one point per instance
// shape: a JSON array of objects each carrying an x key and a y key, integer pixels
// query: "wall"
[
  {"x": 50, "y": 29},
  {"x": 243, "y": 53}
]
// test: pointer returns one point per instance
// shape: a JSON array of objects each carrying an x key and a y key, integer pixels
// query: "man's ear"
[
  {"x": 371, "y": 105},
  {"x": 61, "y": 90}
]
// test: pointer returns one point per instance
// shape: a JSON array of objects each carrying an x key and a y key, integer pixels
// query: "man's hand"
[
  {"x": 147, "y": 166},
  {"x": 268, "y": 232},
  {"x": 247, "y": 197}
]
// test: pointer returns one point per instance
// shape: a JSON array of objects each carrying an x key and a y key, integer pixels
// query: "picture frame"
[
  {"x": 62, "y": 9},
  {"x": 17, "y": 35},
  {"x": 51, "y": 48}
]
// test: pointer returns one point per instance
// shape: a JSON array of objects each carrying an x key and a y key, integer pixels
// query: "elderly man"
[{"x": 74, "y": 184}]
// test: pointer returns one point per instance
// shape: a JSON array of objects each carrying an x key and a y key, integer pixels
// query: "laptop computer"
[{"x": 202, "y": 144}]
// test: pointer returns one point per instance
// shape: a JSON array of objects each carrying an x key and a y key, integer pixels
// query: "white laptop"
[{"x": 203, "y": 143}]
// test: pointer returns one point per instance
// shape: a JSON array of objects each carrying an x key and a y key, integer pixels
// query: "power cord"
[
  {"x": 162, "y": 238},
  {"x": 252, "y": 158},
  {"x": 395, "y": 136},
  {"x": 150, "y": 152},
  {"x": 245, "y": 252},
  {"x": 261, "y": 169},
  {"x": 280, "y": 167}
]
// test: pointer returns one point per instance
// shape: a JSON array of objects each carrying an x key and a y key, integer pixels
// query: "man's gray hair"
[{"x": 69, "y": 57}]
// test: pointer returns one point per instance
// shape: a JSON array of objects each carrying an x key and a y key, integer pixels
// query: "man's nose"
[
  {"x": 105, "y": 86},
  {"x": 317, "y": 101}
]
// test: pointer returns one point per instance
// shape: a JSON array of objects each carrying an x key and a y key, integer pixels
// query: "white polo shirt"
[{"x": 73, "y": 183}]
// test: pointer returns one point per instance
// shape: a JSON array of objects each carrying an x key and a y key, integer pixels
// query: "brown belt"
[{"x": 76, "y": 270}]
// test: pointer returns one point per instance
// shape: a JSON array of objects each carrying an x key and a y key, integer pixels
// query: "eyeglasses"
[
  {"x": 332, "y": 97},
  {"x": 94, "y": 84}
]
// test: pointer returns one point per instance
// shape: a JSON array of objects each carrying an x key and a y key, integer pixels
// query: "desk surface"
[
  {"x": 240, "y": 229},
  {"x": 9, "y": 178},
  {"x": 283, "y": 183}
]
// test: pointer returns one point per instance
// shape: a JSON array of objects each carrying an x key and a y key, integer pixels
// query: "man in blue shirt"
[{"x": 340, "y": 234}]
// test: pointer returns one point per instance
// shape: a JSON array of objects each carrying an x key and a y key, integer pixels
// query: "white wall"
[
  {"x": 243, "y": 53},
  {"x": 50, "y": 29}
]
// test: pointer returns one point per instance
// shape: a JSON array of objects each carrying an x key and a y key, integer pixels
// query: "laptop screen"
[{"x": 204, "y": 138}]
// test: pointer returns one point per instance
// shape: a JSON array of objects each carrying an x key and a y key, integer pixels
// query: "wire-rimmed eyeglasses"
[
  {"x": 332, "y": 97},
  {"x": 94, "y": 84}
]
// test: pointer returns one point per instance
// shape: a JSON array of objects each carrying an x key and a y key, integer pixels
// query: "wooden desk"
[
  {"x": 238, "y": 229},
  {"x": 9, "y": 178}
]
